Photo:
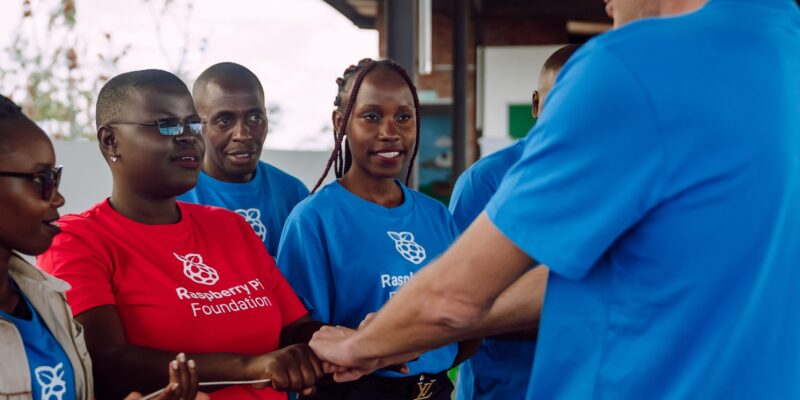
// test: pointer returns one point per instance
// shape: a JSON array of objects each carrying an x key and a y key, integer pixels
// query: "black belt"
[{"x": 415, "y": 387}]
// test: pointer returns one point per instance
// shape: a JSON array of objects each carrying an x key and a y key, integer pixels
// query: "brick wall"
[{"x": 499, "y": 31}]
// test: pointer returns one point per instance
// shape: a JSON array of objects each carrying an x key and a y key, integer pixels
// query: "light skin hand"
[{"x": 445, "y": 302}]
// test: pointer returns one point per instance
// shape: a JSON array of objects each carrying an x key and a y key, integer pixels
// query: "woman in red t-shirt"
[
  {"x": 43, "y": 350},
  {"x": 152, "y": 276}
]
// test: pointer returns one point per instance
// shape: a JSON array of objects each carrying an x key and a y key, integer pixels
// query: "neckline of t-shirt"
[
  {"x": 182, "y": 226},
  {"x": 254, "y": 185},
  {"x": 402, "y": 209},
  {"x": 15, "y": 319}
]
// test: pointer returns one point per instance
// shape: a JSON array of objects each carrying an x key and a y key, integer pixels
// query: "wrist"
[
  {"x": 354, "y": 345},
  {"x": 250, "y": 368}
]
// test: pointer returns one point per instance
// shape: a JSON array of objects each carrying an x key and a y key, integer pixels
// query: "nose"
[
  {"x": 186, "y": 138},
  {"x": 57, "y": 200},
  {"x": 388, "y": 132},
  {"x": 241, "y": 131}
]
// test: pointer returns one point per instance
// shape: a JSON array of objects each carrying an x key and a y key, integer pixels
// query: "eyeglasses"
[
  {"x": 48, "y": 180},
  {"x": 168, "y": 127}
]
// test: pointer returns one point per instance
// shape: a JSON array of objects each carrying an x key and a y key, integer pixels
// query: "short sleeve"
[
  {"x": 289, "y": 304},
  {"x": 304, "y": 262},
  {"x": 302, "y": 191},
  {"x": 87, "y": 269},
  {"x": 469, "y": 199},
  {"x": 591, "y": 170}
]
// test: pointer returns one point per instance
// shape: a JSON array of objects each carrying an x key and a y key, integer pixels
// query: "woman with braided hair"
[{"x": 350, "y": 246}]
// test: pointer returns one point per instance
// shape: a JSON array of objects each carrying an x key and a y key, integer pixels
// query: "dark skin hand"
[
  {"x": 120, "y": 368},
  {"x": 182, "y": 382}
]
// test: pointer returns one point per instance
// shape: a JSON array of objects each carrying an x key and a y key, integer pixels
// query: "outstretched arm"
[
  {"x": 446, "y": 301},
  {"x": 120, "y": 367}
]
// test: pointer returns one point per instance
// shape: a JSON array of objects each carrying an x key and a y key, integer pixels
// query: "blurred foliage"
[
  {"x": 43, "y": 72},
  {"x": 46, "y": 62}
]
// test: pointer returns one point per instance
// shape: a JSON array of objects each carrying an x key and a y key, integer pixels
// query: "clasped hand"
[{"x": 337, "y": 347}]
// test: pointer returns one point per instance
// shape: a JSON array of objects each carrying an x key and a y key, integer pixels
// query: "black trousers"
[{"x": 373, "y": 387}]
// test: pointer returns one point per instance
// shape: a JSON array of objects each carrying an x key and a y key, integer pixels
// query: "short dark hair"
[
  {"x": 229, "y": 72},
  {"x": 560, "y": 57},
  {"x": 117, "y": 91},
  {"x": 10, "y": 112},
  {"x": 9, "y": 109}
]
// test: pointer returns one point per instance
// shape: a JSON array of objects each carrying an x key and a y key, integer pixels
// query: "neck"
[
  {"x": 383, "y": 191},
  {"x": 8, "y": 298},
  {"x": 143, "y": 209},
  {"x": 677, "y": 7},
  {"x": 220, "y": 175}
]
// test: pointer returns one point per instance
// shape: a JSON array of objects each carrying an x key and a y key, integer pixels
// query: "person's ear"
[
  {"x": 108, "y": 142},
  {"x": 535, "y": 104},
  {"x": 336, "y": 118}
]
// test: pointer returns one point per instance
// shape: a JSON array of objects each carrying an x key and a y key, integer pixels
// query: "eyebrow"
[
  {"x": 162, "y": 114},
  {"x": 410, "y": 106},
  {"x": 248, "y": 111},
  {"x": 42, "y": 166}
]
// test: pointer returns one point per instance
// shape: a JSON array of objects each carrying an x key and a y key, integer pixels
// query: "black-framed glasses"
[
  {"x": 168, "y": 127},
  {"x": 48, "y": 179}
]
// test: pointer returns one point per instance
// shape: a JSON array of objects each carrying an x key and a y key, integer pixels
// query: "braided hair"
[{"x": 341, "y": 159}]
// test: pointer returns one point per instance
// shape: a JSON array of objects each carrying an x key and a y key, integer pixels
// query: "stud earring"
[{"x": 114, "y": 158}]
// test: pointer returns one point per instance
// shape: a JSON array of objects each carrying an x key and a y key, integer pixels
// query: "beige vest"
[{"x": 46, "y": 293}]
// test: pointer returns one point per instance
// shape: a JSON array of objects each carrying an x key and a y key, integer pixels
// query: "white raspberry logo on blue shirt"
[
  {"x": 253, "y": 217},
  {"x": 405, "y": 245},
  {"x": 51, "y": 379},
  {"x": 195, "y": 270}
]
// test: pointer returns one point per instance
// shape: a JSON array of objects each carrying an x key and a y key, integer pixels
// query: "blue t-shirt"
[
  {"x": 672, "y": 156},
  {"x": 501, "y": 369},
  {"x": 346, "y": 256},
  {"x": 52, "y": 376},
  {"x": 265, "y": 201}
]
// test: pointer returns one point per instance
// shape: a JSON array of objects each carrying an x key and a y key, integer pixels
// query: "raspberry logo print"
[
  {"x": 51, "y": 379},
  {"x": 195, "y": 270},
  {"x": 405, "y": 245},
  {"x": 253, "y": 217}
]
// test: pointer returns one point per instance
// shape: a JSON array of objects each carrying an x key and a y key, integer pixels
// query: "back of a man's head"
[
  {"x": 548, "y": 74},
  {"x": 118, "y": 91}
]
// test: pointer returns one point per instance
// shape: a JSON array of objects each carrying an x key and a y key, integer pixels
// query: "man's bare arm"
[{"x": 447, "y": 300}]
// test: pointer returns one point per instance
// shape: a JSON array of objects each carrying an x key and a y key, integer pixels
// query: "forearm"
[
  {"x": 447, "y": 299},
  {"x": 300, "y": 331},
  {"x": 515, "y": 314},
  {"x": 124, "y": 368}
]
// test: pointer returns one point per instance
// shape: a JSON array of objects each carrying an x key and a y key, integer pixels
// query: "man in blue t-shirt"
[
  {"x": 502, "y": 367},
  {"x": 671, "y": 227},
  {"x": 230, "y": 100}
]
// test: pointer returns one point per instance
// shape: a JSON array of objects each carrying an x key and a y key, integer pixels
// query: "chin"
[
  {"x": 35, "y": 248},
  {"x": 180, "y": 188}
]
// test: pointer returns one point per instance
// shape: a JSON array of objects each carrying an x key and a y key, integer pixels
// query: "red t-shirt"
[{"x": 205, "y": 284}]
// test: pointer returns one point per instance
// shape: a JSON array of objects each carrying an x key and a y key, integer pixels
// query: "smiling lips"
[
  {"x": 187, "y": 159},
  {"x": 243, "y": 157},
  {"x": 52, "y": 226},
  {"x": 388, "y": 155}
]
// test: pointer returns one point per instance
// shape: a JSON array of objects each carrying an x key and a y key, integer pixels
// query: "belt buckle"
[{"x": 425, "y": 387}]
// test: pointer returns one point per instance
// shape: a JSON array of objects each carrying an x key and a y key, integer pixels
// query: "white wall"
[
  {"x": 87, "y": 180},
  {"x": 511, "y": 74}
]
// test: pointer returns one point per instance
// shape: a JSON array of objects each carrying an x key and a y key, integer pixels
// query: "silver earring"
[{"x": 114, "y": 158}]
